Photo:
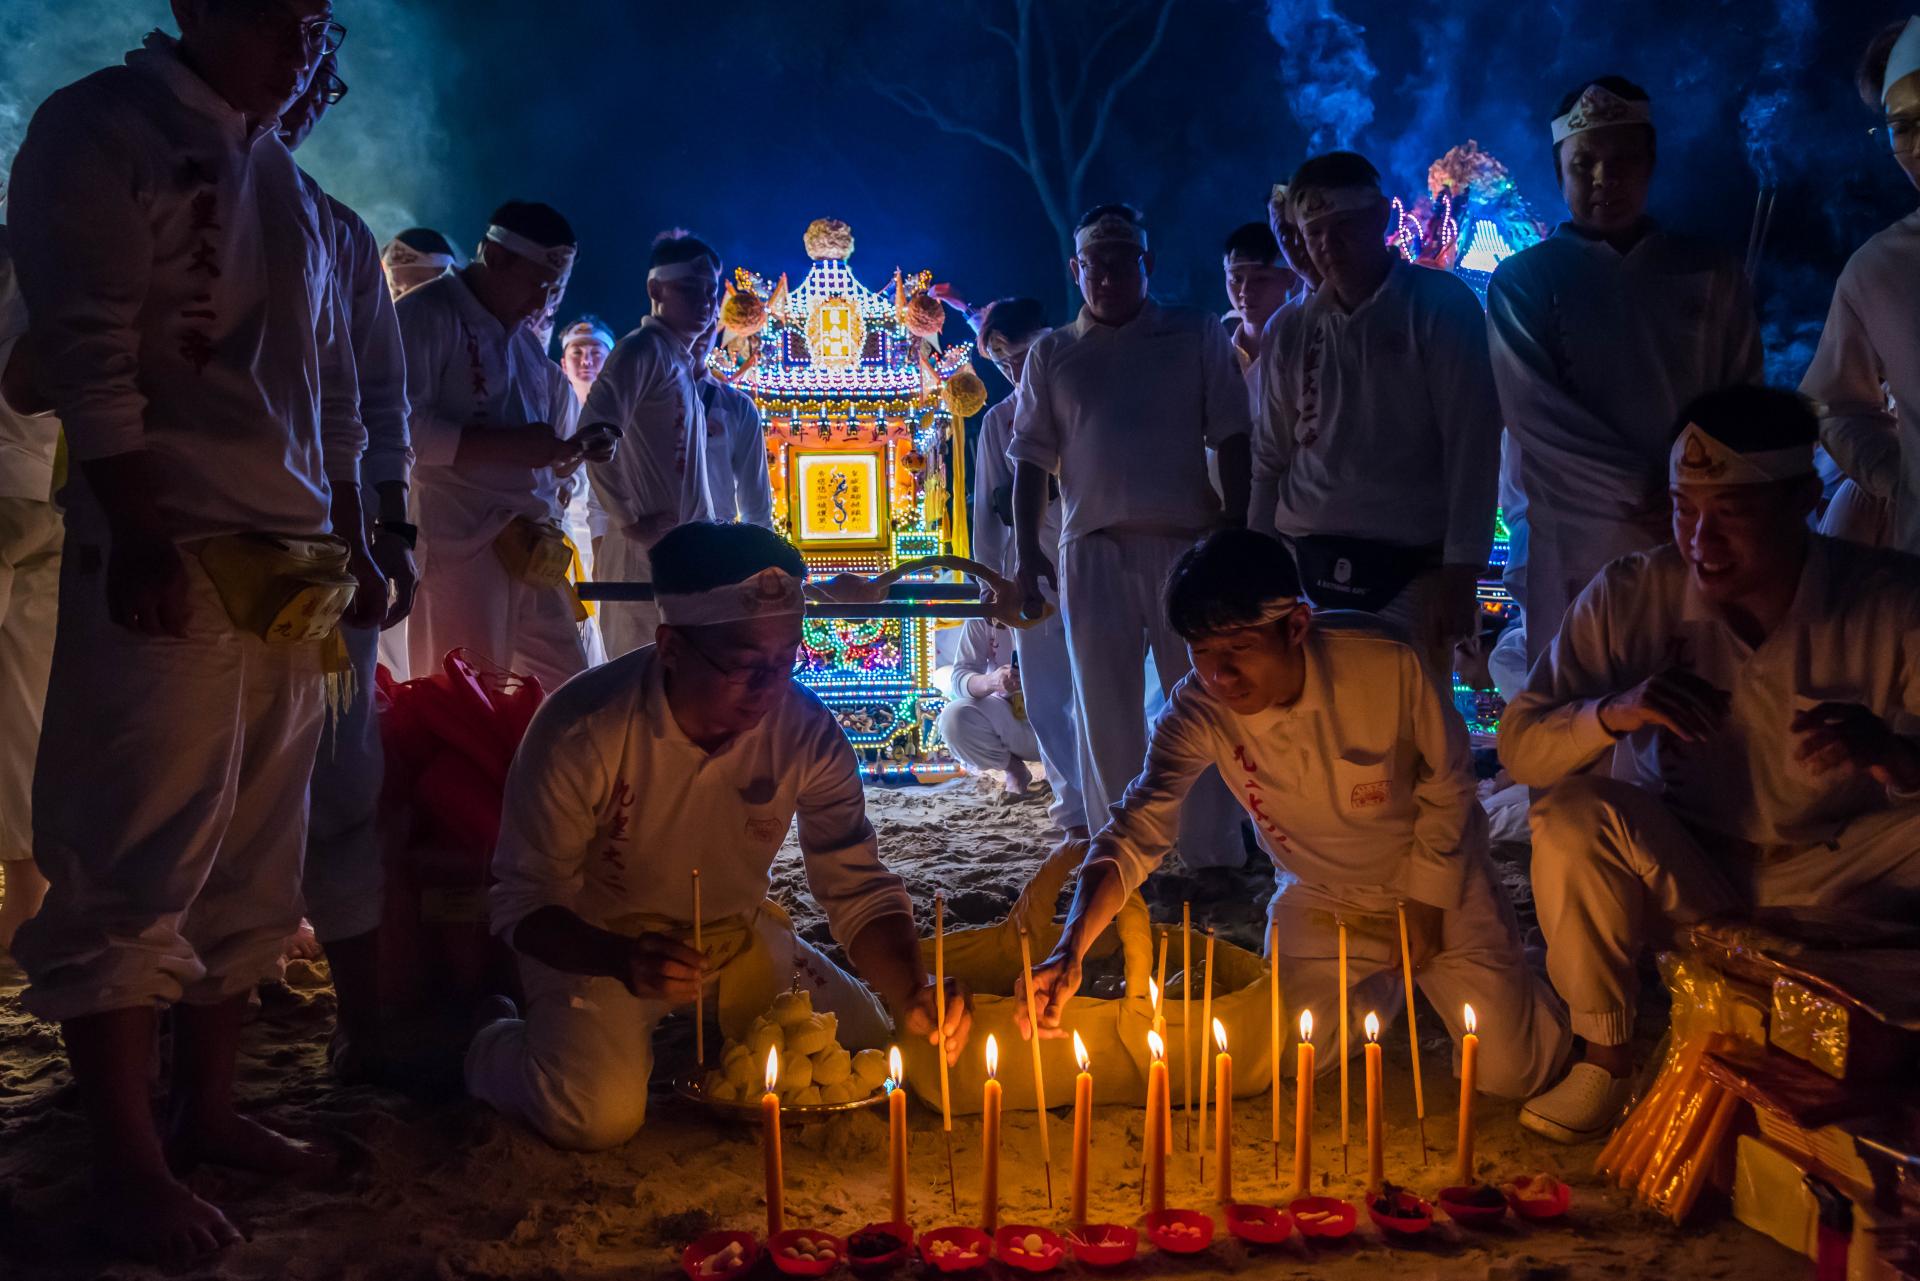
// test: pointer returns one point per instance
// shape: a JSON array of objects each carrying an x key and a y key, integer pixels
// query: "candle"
[
  {"x": 1469, "y": 1063},
  {"x": 1160, "y": 1026},
  {"x": 1346, "y": 1094},
  {"x": 1039, "y": 1072},
  {"x": 1223, "y": 1114},
  {"x": 1303, "y": 1108},
  {"x": 990, "y": 1142},
  {"x": 940, "y": 1013},
  {"x": 1376, "y": 1157},
  {"x": 1273, "y": 1033},
  {"x": 1082, "y": 1129},
  {"x": 1187, "y": 1029},
  {"x": 1159, "y": 982},
  {"x": 1158, "y": 1110},
  {"x": 897, "y": 1133},
  {"x": 1206, "y": 1018},
  {"x": 770, "y": 1145},
  {"x": 699, "y": 995},
  {"x": 1413, "y": 1035}
]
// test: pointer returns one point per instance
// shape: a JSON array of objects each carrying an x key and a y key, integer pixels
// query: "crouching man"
[
  {"x": 1335, "y": 737},
  {"x": 693, "y": 753},
  {"x": 1766, "y": 682}
]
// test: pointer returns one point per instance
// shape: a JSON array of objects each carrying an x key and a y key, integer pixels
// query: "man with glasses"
[
  {"x": 693, "y": 754},
  {"x": 179, "y": 275},
  {"x": 650, "y": 391},
  {"x": 1870, "y": 348},
  {"x": 1600, "y": 334},
  {"x": 1122, "y": 406}
]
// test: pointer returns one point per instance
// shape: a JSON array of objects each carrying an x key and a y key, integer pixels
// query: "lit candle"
[
  {"x": 1157, "y": 1113},
  {"x": 1303, "y": 1108},
  {"x": 1376, "y": 1156},
  {"x": 770, "y": 1145},
  {"x": 1082, "y": 1129},
  {"x": 897, "y": 1133},
  {"x": 1469, "y": 1064},
  {"x": 990, "y": 1142},
  {"x": 1223, "y": 1113},
  {"x": 1160, "y": 1026}
]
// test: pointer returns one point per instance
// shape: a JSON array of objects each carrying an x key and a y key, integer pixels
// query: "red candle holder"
[
  {"x": 956, "y": 1249},
  {"x": 1323, "y": 1218},
  {"x": 1105, "y": 1245},
  {"x": 1539, "y": 1200},
  {"x": 1179, "y": 1231},
  {"x": 827, "y": 1252},
  {"x": 1461, "y": 1207},
  {"x": 879, "y": 1258},
  {"x": 1259, "y": 1224},
  {"x": 1011, "y": 1245},
  {"x": 1407, "y": 1215},
  {"x": 700, "y": 1260}
]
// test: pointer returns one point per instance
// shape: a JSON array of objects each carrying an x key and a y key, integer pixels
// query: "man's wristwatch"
[{"x": 400, "y": 529}]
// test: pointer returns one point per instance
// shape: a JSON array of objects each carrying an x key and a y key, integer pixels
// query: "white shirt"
[
  {"x": 1125, "y": 414},
  {"x": 736, "y": 455},
  {"x": 609, "y": 808},
  {"x": 28, "y": 442},
  {"x": 647, "y": 389},
  {"x": 1852, "y": 635},
  {"x": 1363, "y": 785},
  {"x": 1870, "y": 348},
  {"x": 1382, "y": 423},
  {"x": 1597, "y": 352},
  {"x": 993, "y": 482},
  {"x": 984, "y": 647},
  {"x": 465, "y": 369},
  {"x": 379, "y": 360},
  {"x": 180, "y": 277}
]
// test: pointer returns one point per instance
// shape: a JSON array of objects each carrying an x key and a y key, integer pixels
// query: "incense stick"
[
  {"x": 940, "y": 1012},
  {"x": 1413, "y": 1033},
  {"x": 700, "y": 993},
  {"x": 1346, "y": 1097},
  {"x": 1039, "y": 1073}
]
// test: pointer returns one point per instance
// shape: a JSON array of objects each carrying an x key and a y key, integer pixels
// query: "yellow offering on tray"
[{"x": 814, "y": 1067}]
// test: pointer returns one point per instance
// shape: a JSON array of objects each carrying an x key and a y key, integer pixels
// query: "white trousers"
[
  {"x": 343, "y": 879},
  {"x": 169, "y": 805},
  {"x": 470, "y": 601},
  {"x": 30, "y": 536},
  {"x": 984, "y": 732},
  {"x": 1614, "y": 871},
  {"x": 625, "y": 625},
  {"x": 1479, "y": 962},
  {"x": 576, "y": 1068},
  {"x": 1110, "y": 598},
  {"x": 1046, "y": 680}
]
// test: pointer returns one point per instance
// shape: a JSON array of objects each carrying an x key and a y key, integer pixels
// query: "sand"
[{"x": 446, "y": 1189}]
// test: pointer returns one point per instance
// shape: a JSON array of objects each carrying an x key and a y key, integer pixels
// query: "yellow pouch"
[
  {"x": 535, "y": 552},
  {"x": 286, "y": 590}
]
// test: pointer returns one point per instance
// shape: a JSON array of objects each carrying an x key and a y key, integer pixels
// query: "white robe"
[
  {"x": 984, "y": 730},
  {"x": 736, "y": 455}
]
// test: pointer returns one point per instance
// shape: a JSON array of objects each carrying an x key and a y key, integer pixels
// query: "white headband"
[
  {"x": 1699, "y": 459},
  {"x": 583, "y": 331},
  {"x": 1001, "y": 349},
  {"x": 768, "y": 594},
  {"x": 558, "y": 257},
  {"x": 1314, "y": 203},
  {"x": 1903, "y": 59},
  {"x": 701, "y": 266},
  {"x": 1600, "y": 108},
  {"x": 399, "y": 253},
  {"x": 1110, "y": 229}
]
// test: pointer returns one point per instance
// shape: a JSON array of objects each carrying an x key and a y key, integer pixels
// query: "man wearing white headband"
[
  {"x": 1870, "y": 346},
  {"x": 1122, "y": 406},
  {"x": 649, "y": 391},
  {"x": 1377, "y": 440},
  {"x": 414, "y": 257},
  {"x": 737, "y": 472},
  {"x": 493, "y": 427},
  {"x": 1600, "y": 334},
  {"x": 1766, "y": 683},
  {"x": 1354, "y": 770},
  {"x": 1008, "y": 328},
  {"x": 1259, "y": 282},
  {"x": 584, "y": 348},
  {"x": 691, "y": 755}
]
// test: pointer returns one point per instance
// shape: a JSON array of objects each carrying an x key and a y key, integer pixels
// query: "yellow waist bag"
[
  {"x": 285, "y": 590},
  {"x": 535, "y": 552}
]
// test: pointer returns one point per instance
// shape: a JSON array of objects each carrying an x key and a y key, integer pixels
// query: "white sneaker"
[{"x": 1585, "y": 1105}]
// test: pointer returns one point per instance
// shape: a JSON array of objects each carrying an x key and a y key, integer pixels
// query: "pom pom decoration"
[
  {"x": 966, "y": 393},
  {"x": 923, "y": 316},
  {"x": 744, "y": 313},
  {"x": 828, "y": 238}
]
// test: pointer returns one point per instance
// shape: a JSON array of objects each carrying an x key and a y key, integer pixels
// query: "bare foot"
[
  {"x": 20, "y": 897},
  {"x": 1019, "y": 776},
  {"x": 160, "y": 1220},
  {"x": 240, "y": 1143}
]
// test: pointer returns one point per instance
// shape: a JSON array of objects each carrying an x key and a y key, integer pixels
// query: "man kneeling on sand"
[{"x": 693, "y": 753}]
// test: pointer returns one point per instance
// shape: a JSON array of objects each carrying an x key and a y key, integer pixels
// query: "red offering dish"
[
  {"x": 1029, "y": 1248},
  {"x": 868, "y": 1248},
  {"x": 956, "y": 1249},
  {"x": 1105, "y": 1245},
  {"x": 1326, "y": 1217},
  {"x": 1539, "y": 1197},
  {"x": 720, "y": 1254},
  {"x": 1179, "y": 1231},
  {"x": 1474, "y": 1206},
  {"x": 806, "y": 1252},
  {"x": 1400, "y": 1212},
  {"x": 1259, "y": 1224}
]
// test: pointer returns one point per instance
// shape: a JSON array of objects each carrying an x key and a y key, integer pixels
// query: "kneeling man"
[
  {"x": 1337, "y": 741},
  {"x": 1766, "y": 682},
  {"x": 693, "y": 753},
  {"x": 985, "y": 723}
]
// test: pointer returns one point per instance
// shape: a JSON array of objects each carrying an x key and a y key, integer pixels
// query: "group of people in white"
[{"x": 235, "y": 468}]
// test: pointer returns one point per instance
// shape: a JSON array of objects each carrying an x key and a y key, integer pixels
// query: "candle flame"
[
  {"x": 993, "y": 1056},
  {"x": 1473, "y": 1024},
  {"x": 773, "y": 1067},
  {"x": 1220, "y": 1035},
  {"x": 894, "y": 1067},
  {"x": 1080, "y": 1052},
  {"x": 1153, "y": 991},
  {"x": 1373, "y": 1027},
  {"x": 1306, "y": 1025},
  {"x": 1155, "y": 1046}
]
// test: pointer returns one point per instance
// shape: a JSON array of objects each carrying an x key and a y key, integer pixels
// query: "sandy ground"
[{"x": 445, "y": 1189}]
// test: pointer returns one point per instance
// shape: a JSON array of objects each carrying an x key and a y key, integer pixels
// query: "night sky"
[{"x": 744, "y": 122}]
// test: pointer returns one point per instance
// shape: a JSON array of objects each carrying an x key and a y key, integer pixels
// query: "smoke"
[
  {"x": 1788, "y": 47},
  {"x": 382, "y": 151},
  {"x": 1326, "y": 69}
]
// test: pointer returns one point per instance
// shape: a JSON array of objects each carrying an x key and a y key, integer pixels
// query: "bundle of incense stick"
[{"x": 1665, "y": 1150}]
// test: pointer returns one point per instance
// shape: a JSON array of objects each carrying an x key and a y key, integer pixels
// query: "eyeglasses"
[
  {"x": 322, "y": 35},
  {"x": 1113, "y": 268},
  {"x": 742, "y": 675},
  {"x": 332, "y": 89},
  {"x": 1899, "y": 133}
]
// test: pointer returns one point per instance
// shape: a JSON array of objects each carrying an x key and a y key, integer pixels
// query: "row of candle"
[{"x": 1158, "y": 1122}]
